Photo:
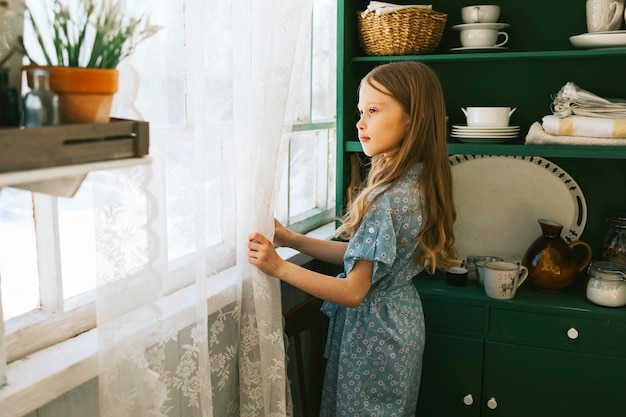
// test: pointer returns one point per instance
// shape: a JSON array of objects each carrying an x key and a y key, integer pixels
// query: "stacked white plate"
[{"x": 469, "y": 134}]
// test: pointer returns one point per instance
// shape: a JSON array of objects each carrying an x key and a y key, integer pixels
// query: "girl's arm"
[
  {"x": 325, "y": 250},
  {"x": 348, "y": 291}
]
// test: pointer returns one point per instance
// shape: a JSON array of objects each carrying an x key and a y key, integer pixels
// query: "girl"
[{"x": 400, "y": 224}]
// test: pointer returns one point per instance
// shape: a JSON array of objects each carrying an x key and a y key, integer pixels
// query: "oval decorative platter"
[{"x": 500, "y": 198}]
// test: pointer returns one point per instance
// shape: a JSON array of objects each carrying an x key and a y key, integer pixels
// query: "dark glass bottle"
[
  {"x": 41, "y": 105},
  {"x": 9, "y": 101}
]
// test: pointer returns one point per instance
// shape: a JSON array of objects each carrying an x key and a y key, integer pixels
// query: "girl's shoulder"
[
  {"x": 387, "y": 196},
  {"x": 408, "y": 183}
]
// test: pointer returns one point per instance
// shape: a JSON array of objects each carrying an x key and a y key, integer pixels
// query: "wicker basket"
[{"x": 409, "y": 31}]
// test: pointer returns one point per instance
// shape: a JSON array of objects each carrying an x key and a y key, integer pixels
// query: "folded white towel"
[
  {"x": 572, "y": 99},
  {"x": 537, "y": 136},
  {"x": 383, "y": 8},
  {"x": 584, "y": 126}
]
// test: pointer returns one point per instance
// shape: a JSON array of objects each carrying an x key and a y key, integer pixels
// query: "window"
[{"x": 47, "y": 244}]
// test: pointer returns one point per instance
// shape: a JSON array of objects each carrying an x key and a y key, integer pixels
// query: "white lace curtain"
[{"x": 227, "y": 358}]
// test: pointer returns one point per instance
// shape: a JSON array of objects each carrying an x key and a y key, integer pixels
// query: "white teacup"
[
  {"x": 482, "y": 13},
  {"x": 488, "y": 116},
  {"x": 482, "y": 38},
  {"x": 502, "y": 279},
  {"x": 604, "y": 15}
]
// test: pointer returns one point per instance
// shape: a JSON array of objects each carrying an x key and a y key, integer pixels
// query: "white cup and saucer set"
[
  {"x": 486, "y": 125},
  {"x": 480, "y": 31},
  {"x": 605, "y": 19}
]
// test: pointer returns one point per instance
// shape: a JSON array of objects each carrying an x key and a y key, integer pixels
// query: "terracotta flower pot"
[{"x": 85, "y": 94}]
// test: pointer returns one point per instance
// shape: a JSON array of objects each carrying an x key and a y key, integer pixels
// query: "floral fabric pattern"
[{"x": 375, "y": 351}]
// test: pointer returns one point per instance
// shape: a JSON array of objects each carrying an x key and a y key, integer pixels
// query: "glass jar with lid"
[
  {"x": 614, "y": 245},
  {"x": 607, "y": 284}
]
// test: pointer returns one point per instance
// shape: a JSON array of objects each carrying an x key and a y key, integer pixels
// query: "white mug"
[
  {"x": 482, "y": 38},
  {"x": 502, "y": 279},
  {"x": 483, "y": 13},
  {"x": 604, "y": 15},
  {"x": 480, "y": 262},
  {"x": 488, "y": 116}
]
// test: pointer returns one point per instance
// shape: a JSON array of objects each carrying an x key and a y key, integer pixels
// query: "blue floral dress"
[{"x": 375, "y": 351}]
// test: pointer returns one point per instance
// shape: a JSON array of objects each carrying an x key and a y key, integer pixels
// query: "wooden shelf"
[
  {"x": 55, "y": 160},
  {"x": 63, "y": 181},
  {"x": 67, "y": 144}
]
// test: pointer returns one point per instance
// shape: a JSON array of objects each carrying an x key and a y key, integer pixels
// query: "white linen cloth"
[
  {"x": 584, "y": 126},
  {"x": 573, "y": 100},
  {"x": 383, "y": 8},
  {"x": 537, "y": 136}
]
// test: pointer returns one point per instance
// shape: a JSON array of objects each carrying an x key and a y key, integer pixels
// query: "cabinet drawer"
[
  {"x": 560, "y": 329},
  {"x": 453, "y": 316}
]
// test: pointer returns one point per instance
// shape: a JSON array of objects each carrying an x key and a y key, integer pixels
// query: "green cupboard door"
[
  {"x": 525, "y": 381},
  {"x": 451, "y": 376}
]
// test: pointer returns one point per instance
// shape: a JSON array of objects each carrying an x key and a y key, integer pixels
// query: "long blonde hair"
[{"x": 417, "y": 88}]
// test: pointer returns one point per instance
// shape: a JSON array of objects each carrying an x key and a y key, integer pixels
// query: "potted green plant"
[{"x": 83, "y": 42}]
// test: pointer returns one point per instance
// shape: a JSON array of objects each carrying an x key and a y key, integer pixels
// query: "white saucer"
[
  {"x": 479, "y": 49},
  {"x": 485, "y": 135},
  {"x": 465, "y": 127},
  {"x": 497, "y": 26},
  {"x": 600, "y": 40},
  {"x": 485, "y": 132},
  {"x": 485, "y": 128},
  {"x": 482, "y": 140}
]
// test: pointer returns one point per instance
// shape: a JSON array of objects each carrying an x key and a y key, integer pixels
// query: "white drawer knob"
[
  {"x": 572, "y": 333},
  {"x": 492, "y": 403},
  {"x": 468, "y": 399}
]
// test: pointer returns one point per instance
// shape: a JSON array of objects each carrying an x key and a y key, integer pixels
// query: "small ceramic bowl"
[{"x": 456, "y": 276}]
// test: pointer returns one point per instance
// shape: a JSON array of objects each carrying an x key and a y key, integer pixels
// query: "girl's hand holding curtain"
[{"x": 261, "y": 253}]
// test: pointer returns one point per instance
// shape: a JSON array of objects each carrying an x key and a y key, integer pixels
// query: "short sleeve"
[{"x": 375, "y": 239}]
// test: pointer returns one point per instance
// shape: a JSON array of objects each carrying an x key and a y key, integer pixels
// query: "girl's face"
[{"x": 383, "y": 122}]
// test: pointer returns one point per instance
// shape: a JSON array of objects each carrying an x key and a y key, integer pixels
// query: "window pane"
[
  {"x": 181, "y": 205},
  {"x": 18, "y": 253},
  {"x": 160, "y": 95},
  {"x": 303, "y": 173},
  {"x": 218, "y": 97},
  {"x": 213, "y": 193},
  {"x": 332, "y": 163},
  {"x": 78, "y": 242},
  {"x": 324, "y": 60}
]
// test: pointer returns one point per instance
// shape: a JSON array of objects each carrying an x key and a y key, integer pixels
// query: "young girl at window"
[{"x": 399, "y": 224}]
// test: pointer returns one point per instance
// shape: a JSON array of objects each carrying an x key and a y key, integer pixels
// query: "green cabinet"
[
  {"x": 526, "y": 381},
  {"x": 451, "y": 382},
  {"x": 537, "y": 355}
]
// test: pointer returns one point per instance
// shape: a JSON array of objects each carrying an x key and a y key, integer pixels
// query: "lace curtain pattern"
[{"x": 226, "y": 356}]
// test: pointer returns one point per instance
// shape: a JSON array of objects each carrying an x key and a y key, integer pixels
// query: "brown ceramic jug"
[{"x": 550, "y": 260}]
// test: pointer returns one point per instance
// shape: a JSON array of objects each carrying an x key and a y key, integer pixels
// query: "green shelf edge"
[
  {"x": 499, "y": 56},
  {"x": 564, "y": 151}
]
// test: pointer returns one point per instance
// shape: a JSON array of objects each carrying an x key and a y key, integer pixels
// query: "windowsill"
[{"x": 45, "y": 375}]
